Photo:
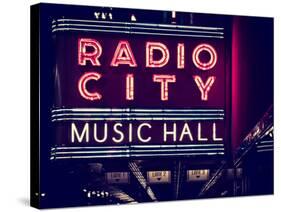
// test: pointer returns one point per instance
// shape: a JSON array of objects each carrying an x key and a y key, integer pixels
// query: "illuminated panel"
[
  {"x": 164, "y": 80},
  {"x": 150, "y": 47},
  {"x": 156, "y": 177},
  {"x": 117, "y": 177},
  {"x": 84, "y": 79},
  {"x": 84, "y": 55},
  {"x": 204, "y": 87},
  {"x": 123, "y": 55},
  {"x": 130, "y": 87},
  {"x": 196, "y": 56},
  {"x": 180, "y": 55},
  {"x": 198, "y": 175}
]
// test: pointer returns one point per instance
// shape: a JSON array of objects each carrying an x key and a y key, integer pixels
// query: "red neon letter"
[
  {"x": 150, "y": 47},
  {"x": 164, "y": 80},
  {"x": 202, "y": 65},
  {"x": 93, "y": 56},
  {"x": 130, "y": 87},
  {"x": 204, "y": 88},
  {"x": 82, "y": 86},
  {"x": 123, "y": 55},
  {"x": 180, "y": 56}
]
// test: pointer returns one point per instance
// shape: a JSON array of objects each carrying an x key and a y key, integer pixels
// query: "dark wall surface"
[{"x": 252, "y": 73}]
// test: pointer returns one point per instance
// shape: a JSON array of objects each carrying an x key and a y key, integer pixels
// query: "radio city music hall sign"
[{"x": 127, "y": 98}]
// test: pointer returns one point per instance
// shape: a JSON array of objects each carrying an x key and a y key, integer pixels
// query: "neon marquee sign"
[
  {"x": 138, "y": 94},
  {"x": 124, "y": 56}
]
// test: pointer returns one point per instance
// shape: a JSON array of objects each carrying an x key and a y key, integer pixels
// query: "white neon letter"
[
  {"x": 215, "y": 133},
  {"x": 104, "y": 133},
  {"x": 186, "y": 131},
  {"x": 115, "y": 128},
  {"x": 139, "y": 132},
  {"x": 80, "y": 138},
  {"x": 173, "y": 132},
  {"x": 199, "y": 135}
]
